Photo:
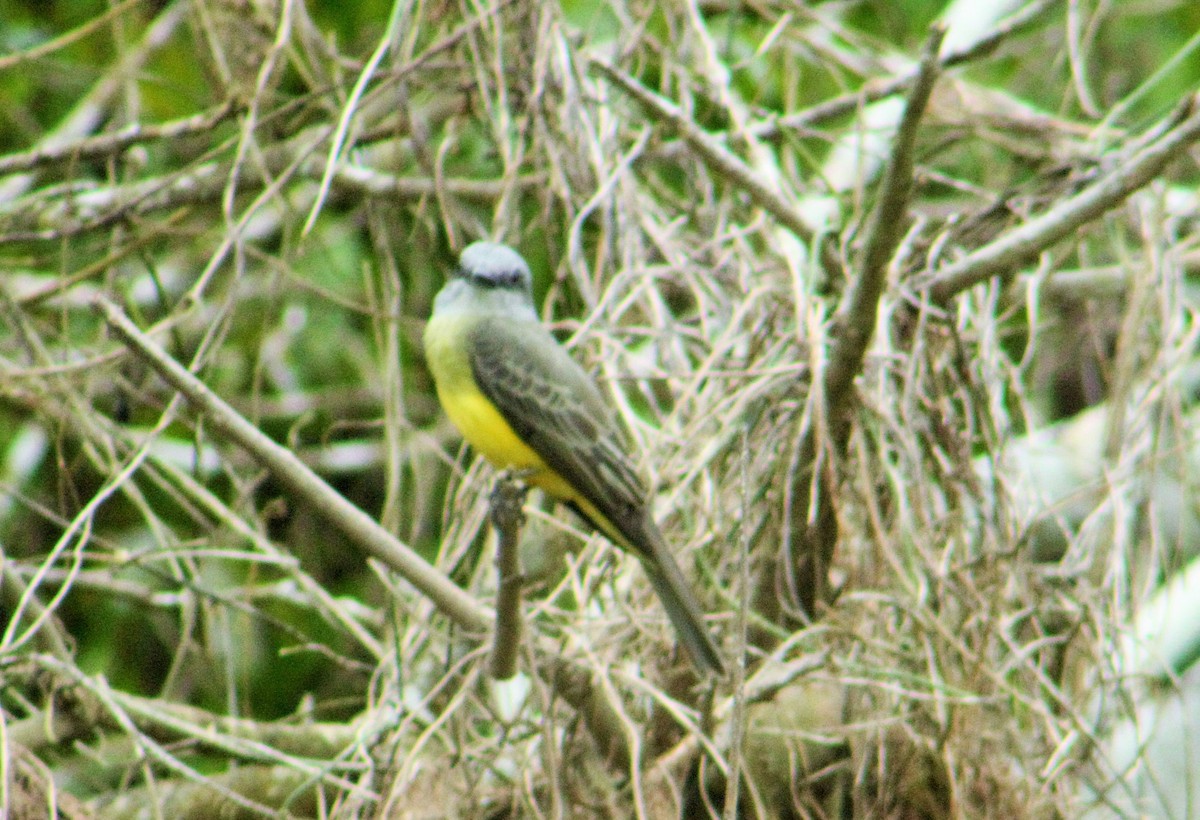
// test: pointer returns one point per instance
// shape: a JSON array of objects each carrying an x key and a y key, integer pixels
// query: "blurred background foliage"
[{"x": 467, "y": 128}]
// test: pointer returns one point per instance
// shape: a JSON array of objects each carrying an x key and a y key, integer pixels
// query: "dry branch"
[
  {"x": 67, "y": 211},
  {"x": 813, "y": 529},
  {"x": 455, "y": 603},
  {"x": 729, "y": 165},
  {"x": 875, "y": 90},
  {"x": 1018, "y": 246}
]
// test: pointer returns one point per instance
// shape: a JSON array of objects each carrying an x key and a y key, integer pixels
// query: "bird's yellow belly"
[{"x": 486, "y": 430}]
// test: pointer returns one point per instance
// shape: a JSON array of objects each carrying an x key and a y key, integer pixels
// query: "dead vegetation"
[{"x": 839, "y": 290}]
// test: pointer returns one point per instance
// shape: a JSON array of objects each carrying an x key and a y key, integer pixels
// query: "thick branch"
[
  {"x": 1006, "y": 254},
  {"x": 813, "y": 538},
  {"x": 855, "y": 323},
  {"x": 451, "y": 599}
]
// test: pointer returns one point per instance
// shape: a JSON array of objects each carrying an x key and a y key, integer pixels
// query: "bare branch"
[
  {"x": 875, "y": 90},
  {"x": 108, "y": 145},
  {"x": 50, "y": 46},
  {"x": 507, "y": 517},
  {"x": 855, "y": 323},
  {"x": 813, "y": 529},
  {"x": 1006, "y": 254},
  {"x": 455, "y": 603}
]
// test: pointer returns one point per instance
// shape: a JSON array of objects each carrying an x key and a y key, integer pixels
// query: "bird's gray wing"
[{"x": 555, "y": 408}]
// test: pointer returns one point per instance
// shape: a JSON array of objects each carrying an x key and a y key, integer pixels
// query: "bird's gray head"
[
  {"x": 492, "y": 265},
  {"x": 490, "y": 279}
]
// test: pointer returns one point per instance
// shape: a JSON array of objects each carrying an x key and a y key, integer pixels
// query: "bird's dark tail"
[
  {"x": 677, "y": 599},
  {"x": 639, "y": 535}
]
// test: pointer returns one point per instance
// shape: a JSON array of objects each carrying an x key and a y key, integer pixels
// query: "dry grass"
[{"x": 834, "y": 417}]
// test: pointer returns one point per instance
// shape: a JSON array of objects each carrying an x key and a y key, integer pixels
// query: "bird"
[{"x": 520, "y": 399}]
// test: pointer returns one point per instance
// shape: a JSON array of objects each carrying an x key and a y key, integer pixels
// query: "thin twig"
[
  {"x": 876, "y": 90},
  {"x": 109, "y": 701},
  {"x": 338, "y": 140},
  {"x": 107, "y": 145},
  {"x": 727, "y": 164},
  {"x": 61, "y": 284},
  {"x": 90, "y": 110},
  {"x": 51, "y": 46},
  {"x": 43, "y": 216}
]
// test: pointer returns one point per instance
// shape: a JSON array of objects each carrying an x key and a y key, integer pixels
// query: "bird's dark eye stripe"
[{"x": 494, "y": 280}]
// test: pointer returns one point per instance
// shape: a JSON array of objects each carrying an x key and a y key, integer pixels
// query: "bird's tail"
[
  {"x": 638, "y": 534},
  {"x": 685, "y": 614}
]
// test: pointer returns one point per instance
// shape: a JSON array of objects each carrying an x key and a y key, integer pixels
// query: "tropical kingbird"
[{"x": 518, "y": 398}]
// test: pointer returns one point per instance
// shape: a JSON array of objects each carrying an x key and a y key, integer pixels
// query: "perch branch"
[{"x": 508, "y": 496}]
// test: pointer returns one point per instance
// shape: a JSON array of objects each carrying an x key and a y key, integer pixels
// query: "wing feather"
[{"x": 555, "y": 408}]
